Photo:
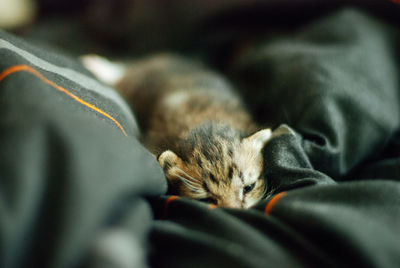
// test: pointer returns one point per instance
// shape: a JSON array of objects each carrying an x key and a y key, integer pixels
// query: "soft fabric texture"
[
  {"x": 69, "y": 174},
  {"x": 78, "y": 190}
]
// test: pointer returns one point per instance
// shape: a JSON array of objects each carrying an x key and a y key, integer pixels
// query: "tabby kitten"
[{"x": 197, "y": 126}]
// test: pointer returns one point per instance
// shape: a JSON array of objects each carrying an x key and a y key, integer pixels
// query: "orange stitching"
[
  {"x": 18, "y": 68},
  {"x": 212, "y": 206},
  {"x": 273, "y": 202},
  {"x": 169, "y": 200}
]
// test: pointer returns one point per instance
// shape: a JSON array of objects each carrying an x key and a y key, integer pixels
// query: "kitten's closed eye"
[{"x": 248, "y": 188}]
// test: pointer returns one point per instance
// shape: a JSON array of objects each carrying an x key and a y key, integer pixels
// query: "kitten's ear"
[
  {"x": 168, "y": 159},
  {"x": 171, "y": 163},
  {"x": 259, "y": 139}
]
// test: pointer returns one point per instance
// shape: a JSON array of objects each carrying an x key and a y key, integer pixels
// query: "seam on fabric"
[
  {"x": 26, "y": 68},
  {"x": 271, "y": 204},
  {"x": 70, "y": 74}
]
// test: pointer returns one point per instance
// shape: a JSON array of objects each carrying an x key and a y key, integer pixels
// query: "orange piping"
[
  {"x": 169, "y": 200},
  {"x": 273, "y": 202},
  {"x": 18, "y": 68}
]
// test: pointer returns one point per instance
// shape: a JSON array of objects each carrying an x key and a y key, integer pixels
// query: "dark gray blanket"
[{"x": 78, "y": 190}]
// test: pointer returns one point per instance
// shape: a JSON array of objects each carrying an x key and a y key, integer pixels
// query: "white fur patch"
[
  {"x": 176, "y": 98},
  {"x": 105, "y": 70}
]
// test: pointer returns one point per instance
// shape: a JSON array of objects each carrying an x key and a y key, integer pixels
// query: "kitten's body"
[
  {"x": 173, "y": 97},
  {"x": 196, "y": 123}
]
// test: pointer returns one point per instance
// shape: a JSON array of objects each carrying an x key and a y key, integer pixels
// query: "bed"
[{"x": 77, "y": 188}]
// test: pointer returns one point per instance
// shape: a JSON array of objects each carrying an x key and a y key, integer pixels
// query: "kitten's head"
[{"x": 215, "y": 164}]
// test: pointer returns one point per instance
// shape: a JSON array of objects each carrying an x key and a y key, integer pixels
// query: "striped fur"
[{"x": 200, "y": 129}]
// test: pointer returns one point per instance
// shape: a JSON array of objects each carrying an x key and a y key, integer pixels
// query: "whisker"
[
  {"x": 190, "y": 178},
  {"x": 193, "y": 184},
  {"x": 188, "y": 183},
  {"x": 187, "y": 175}
]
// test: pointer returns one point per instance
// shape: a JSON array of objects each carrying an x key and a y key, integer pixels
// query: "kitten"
[{"x": 198, "y": 127}]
